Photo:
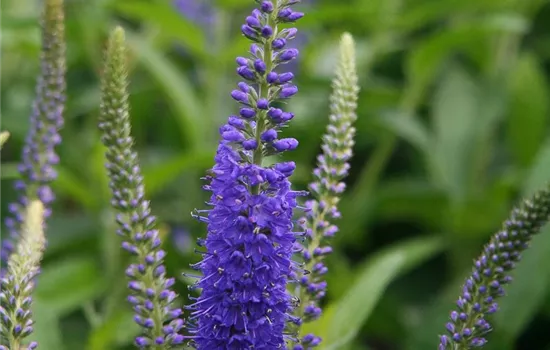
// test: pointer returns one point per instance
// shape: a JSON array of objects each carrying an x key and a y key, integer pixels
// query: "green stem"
[
  {"x": 13, "y": 341},
  {"x": 263, "y": 92},
  {"x": 91, "y": 315}
]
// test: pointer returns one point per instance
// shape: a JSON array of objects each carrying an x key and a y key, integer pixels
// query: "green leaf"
[
  {"x": 410, "y": 199},
  {"x": 539, "y": 174},
  {"x": 424, "y": 333},
  {"x": 119, "y": 329},
  {"x": 74, "y": 187},
  {"x": 168, "y": 19},
  {"x": 343, "y": 319},
  {"x": 529, "y": 109},
  {"x": 425, "y": 61},
  {"x": 65, "y": 230},
  {"x": 65, "y": 285},
  {"x": 9, "y": 171},
  {"x": 465, "y": 114},
  {"x": 46, "y": 325},
  {"x": 409, "y": 128},
  {"x": 158, "y": 175},
  {"x": 179, "y": 90},
  {"x": 454, "y": 113}
]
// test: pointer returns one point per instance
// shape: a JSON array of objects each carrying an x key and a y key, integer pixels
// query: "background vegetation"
[{"x": 453, "y": 128}]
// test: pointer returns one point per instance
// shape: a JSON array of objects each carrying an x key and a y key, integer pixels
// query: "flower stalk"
[
  {"x": 39, "y": 157},
  {"x": 247, "y": 253},
  {"x": 468, "y": 324},
  {"x": 151, "y": 295},
  {"x": 327, "y": 188},
  {"x": 18, "y": 284}
]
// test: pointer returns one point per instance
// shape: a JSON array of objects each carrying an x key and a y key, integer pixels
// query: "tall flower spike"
[
  {"x": 18, "y": 284},
  {"x": 468, "y": 324},
  {"x": 247, "y": 262},
  {"x": 151, "y": 295},
  {"x": 4, "y": 136},
  {"x": 39, "y": 155},
  {"x": 327, "y": 188}
]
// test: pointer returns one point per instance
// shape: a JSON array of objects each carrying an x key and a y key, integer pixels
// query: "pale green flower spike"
[
  {"x": 18, "y": 284},
  {"x": 4, "y": 136},
  {"x": 150, "y": 288},
  {"x": 327, "y": 188}
]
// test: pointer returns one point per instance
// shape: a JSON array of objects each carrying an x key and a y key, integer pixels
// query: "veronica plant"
[
  {"x": 18, "y": 283},
  {"x": 151, "y": 296},
  {"x": 468, "y": 324},
  {"x": 327, "y": 188},
  {"x": 46, "y": 119},
  {"x": 247, "y": 253}
]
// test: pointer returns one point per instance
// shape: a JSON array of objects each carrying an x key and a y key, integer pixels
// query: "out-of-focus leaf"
[
  {"x": 46, "y": 325},
  {"x": 345, "y": 317},
  {"x": 167, "y": 18},
  {"x": 65, "y": 285},
  {"x": 408, "y": 128},
  {"x": 9, "y": 171},
  {"x": 179, "y": 90},
  {"x": 424, "y": 62},
  {"x": 158, "y": 175},
  {"x": 410, "y": 199},
  {"x": 539, "y": 174},
  {"x": 454, "y": 115},
  {"x": 65, "y": 230},
  {"x": 529, "y": 109},
  {"x": 508, "y": 22},
  {"x": 119, "y": 329},
  {"x": 73, "y": 186},
  {"x": 426, "y": 12},
  {"x": 425, "y": 330}
]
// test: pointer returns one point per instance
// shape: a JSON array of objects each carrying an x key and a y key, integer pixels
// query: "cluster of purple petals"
[
  {"x": 244, "y": 303},
  {"x": 468, "y": 324},
  {"x": 38, "y": 156}
]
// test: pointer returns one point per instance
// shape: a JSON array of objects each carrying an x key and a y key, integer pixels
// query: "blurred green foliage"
[{"x": 453, "y": 128}]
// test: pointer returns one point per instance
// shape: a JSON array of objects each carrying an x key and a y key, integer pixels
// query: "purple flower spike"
[
  {"x": 20, "y": 268},
  {"x": 38, "y": 156},
  {"x": 331, "y": 169},
  {"x": 468, "y": 325},
  {"x": 247, "y": 264}
]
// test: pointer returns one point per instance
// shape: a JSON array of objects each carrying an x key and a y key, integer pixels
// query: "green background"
[{"x": 452, "y": 130}]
